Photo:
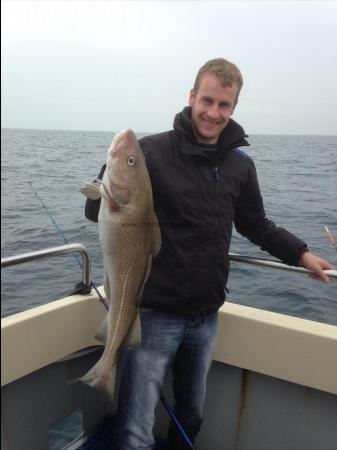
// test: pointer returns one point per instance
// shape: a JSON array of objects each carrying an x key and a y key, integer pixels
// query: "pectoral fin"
[
  {"x": 102, "y": 331},
  {"x": 91, "y": 189},
  {"x": 135, "y": 335},
  {"x": 146, "y": 276},
  {"x": 156, "y": 236}
]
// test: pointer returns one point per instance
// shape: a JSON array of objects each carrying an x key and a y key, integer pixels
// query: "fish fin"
[
  {"x": 156, "y": 236},
  {"x": 104, "y": 380},
  {"x": 146, "y": 276},
  {"x": 102, "y": 331},
  {"x": 135, "y": 335},
  {"x": 107, "y": 289},
  {"x": 92, "y": 189}
]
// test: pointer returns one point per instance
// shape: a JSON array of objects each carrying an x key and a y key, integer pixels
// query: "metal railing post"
[{"x": 54, "y": 251}]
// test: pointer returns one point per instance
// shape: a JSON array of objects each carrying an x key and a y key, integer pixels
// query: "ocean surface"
[{"x": 298, "y": 181}]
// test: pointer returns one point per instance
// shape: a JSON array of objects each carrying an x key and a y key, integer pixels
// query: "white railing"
[
  {"x": 54, "y": 251},
  {"x": 275, "y": 264}
]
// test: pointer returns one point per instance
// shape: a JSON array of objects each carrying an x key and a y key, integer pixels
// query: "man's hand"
[{"x": 317, "y": 265}]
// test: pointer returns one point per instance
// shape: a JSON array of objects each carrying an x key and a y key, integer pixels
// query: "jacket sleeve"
[
  {"x": 250, "y": 220},
  {"x": 91, "y": 209}
]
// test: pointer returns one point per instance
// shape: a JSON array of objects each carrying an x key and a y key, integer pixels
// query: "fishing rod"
[
  {"x": 101, "y": 299},
  {"x": 331, "y": 238},
  {"x": 178, "y": 424}
]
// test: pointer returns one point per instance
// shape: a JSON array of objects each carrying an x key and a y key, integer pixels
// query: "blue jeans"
[{"x": 183, "y": 342}]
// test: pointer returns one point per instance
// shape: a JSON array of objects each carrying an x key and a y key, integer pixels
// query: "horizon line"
[{"x": 151, "y": 132}]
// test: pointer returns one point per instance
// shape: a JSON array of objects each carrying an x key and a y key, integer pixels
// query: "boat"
[{"x": 272, "y": 384}]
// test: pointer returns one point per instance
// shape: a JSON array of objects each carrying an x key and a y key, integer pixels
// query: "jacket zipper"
[
  {"x": 216, "y": 172},
  {"x": 217, "y": 179},
  {"x": 217, "y": 209}
]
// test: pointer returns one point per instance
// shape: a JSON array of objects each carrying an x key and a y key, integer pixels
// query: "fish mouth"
[{"x": 124, "y": 139}]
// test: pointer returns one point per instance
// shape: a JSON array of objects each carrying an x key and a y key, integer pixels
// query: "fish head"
[{"x": 126, "y": 168}]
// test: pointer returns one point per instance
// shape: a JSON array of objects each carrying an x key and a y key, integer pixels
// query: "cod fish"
[{"x": 130, "y": 239}]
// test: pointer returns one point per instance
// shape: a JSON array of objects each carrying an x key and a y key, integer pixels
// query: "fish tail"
[{"x": 102, "y": 379}]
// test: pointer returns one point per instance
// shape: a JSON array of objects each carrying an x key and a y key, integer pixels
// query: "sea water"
[{"x": 297, "y": 176}]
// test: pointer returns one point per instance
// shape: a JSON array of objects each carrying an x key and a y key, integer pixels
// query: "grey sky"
[{"x": 109, "y": 65}]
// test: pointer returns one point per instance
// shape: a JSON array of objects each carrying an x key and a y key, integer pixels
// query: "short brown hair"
[{"x": 226, "y": 72}]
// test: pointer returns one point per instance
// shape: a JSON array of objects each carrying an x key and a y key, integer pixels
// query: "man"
[{"x": 202, "y": 183}]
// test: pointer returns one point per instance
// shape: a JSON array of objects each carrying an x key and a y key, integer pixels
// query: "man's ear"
[{"x": 192, "y": 98}]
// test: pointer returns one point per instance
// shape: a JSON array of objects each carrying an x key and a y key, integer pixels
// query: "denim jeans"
[{"x": 183, "y": 342}]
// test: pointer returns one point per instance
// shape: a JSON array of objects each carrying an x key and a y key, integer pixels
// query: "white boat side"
[
  {"x": 272, "y": 384},
  {"x": 293, "y": 349}
]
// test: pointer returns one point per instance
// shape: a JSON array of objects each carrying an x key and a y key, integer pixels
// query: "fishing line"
[
  {"x": 61, "y": 233},
  {"x": 176, "y": 421},
  {"x": 101, "y": 299}
]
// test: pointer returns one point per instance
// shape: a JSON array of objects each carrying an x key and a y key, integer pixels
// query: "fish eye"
[{"x": 132, "y": 161}]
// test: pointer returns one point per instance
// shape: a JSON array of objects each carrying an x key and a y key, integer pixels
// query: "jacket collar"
[{"x": 232, "y": 136}]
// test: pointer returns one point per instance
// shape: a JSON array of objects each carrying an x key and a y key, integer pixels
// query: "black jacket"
[{"x": 198, "y": 193}]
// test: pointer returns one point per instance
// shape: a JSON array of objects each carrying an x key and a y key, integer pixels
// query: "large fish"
[{"x": 130, "y": 238}]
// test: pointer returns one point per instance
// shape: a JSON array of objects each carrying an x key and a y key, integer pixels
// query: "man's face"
[{"x": 212, "y": 106}]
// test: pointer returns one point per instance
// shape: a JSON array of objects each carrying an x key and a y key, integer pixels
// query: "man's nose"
[{"x": 213, "y": 112}]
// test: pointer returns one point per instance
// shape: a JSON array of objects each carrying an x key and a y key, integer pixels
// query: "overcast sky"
[{"x": 108, "y": 65}]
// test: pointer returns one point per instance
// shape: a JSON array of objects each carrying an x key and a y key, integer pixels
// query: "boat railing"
[
  {"x": 275, "y": 264},
  {"x": 54, "y": 251},
  {"x": 86, "y": 265}
]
